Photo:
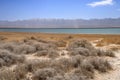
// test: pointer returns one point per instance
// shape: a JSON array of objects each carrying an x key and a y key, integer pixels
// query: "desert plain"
[{"x": 53, "y": 56}]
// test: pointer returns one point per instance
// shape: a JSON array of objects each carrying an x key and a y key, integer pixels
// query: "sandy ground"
[
  {"x": 111, "y": 75},
  {"x": 115, "y": 73},
  {"x": 104, "y": 41}
]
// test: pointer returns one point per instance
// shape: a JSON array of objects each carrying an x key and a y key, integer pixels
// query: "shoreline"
[
  {"x": 52, "y": 33},
  {"x": 102, "y": 39}
]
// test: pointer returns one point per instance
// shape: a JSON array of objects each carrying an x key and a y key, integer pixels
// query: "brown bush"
[
  {"x": 44, "y": 46},
  {"x": 87, "y": 66},
  {"x": 33, "y": 37},
  {"x": 83, "y": 59},
  {"x": 42, "y": 40},
  {"x": 43, "y": 74},
  {"x": 66, "y": 64},
  {"x": 18, "y": 48},
  {"x": 80, "y": 51},
  {"x": 83, "y": 73},
  {"x": 7, "y": 59},
  {"x": 62, "y": 64},
  {"x": 69, "y": 37},
  {"x": 50, "y": 53},
  {"x": 2, "y": 38},
  {"x": 80, "y": 43},
  {"x": 20, "y": 71},
  {"x": 58, "y": 77},
  {"x": 33, "y": 65},
  {"x": 42, "y": 53},
  {"x": 105, "y": 53},
  {"x": 7, "y": 75},
  {"x": 24, "y": 49},
  {"x": 110, "y": 53},
  {"x": 93, "y": 52},
  {"x": 76, "y": 60},
  {"x": 100, "y": 64},
  {"x": 8, "y": 46},
  {"x": 53, "y": 53},
  {"x": 61, "y": 43},
  {"x": 73, "y": 76}
]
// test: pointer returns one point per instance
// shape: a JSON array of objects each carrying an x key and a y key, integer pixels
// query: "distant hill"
[{"x": 61, "y": 23}]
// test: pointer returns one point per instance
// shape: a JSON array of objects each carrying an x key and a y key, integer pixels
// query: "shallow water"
[{"x": 74, "y": 31}]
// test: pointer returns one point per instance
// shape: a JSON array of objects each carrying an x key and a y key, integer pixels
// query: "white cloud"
[{"x": 101, "y": 3}]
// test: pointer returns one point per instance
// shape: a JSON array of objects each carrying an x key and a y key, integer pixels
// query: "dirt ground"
[{"x": 103, "y": 41}]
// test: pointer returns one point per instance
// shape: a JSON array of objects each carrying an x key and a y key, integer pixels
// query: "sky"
[{"x": 59, "y": 9}]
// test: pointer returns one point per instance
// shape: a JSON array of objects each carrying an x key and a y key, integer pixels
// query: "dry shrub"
[
  {"x": 42, "y": 40},
  {"x": 41, "y": 53},
  {"x": 30, "y": 42},
  {"x": 7, "y": 59},
  {"x": 39, "y": 46},
  {"x": 80, "y": 51},
  {"x": 53, "y": 53},
  {"x": 63, "y": 64},
  {"x": 83, "y": 52},
  {"x": 2, "y": 62},
  {"x": 7, "y": 75},
  {"x": 33, "y": 37},
  {"x": 76, "y": 60},
  {"x": 66, "y": 64},
  {"x": 2, "y": 38},
  {"x": 73, "y": 76},
  {"x": 84, "y": 71},
  {"x": 51, "y": 46},
  {"x": 44, "y": 46},
  {"x": 44, "y": 74},
  {"x": 85, "y": 74},
  {"x": 100, "y": 64},
  {"x": 80, "y": 64},
  {"x": 87, "y": 66},
  {"x": 61, "y": 43},
  {"x": 58, "y": 77},
  {"x": 33, "y": 65},
  {"x": 80, "y": 43},
  {"x": 18, "y": 48},
  {"x": 69, "y": 37},
  {"x": 20, "y": 71},
  {"x": 8, "y": 46},
  {"x": 105, "y": 53},
  {"x": 99, "y": 44},
  {"x": 93, "y": 52},
  {"x": 28, "y": 38},
  {"x": 50, "y": 53},
  {"x": 114, "y": 48},
  {"x": 110, "y": 53},
  {"x": 24, "y": 49}
]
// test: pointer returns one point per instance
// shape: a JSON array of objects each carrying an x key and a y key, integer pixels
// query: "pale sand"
[
  {"x": 115, "y": 73},
  {"x": 111, "y": 75}
]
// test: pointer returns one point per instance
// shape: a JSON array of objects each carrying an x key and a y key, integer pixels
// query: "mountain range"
[{"x": 62, "y": 23}]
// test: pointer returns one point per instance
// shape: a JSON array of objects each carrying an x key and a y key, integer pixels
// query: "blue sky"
[{"x": 67, "y": 9}]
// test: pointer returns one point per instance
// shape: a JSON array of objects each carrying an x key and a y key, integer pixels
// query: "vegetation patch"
[{"x": 80, "y": 61}]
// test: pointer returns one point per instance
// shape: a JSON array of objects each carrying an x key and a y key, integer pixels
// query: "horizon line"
[{"x": 61, "y": 19}]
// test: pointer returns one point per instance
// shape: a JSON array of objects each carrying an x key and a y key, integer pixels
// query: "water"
[{"x": 74, "y": 31}]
